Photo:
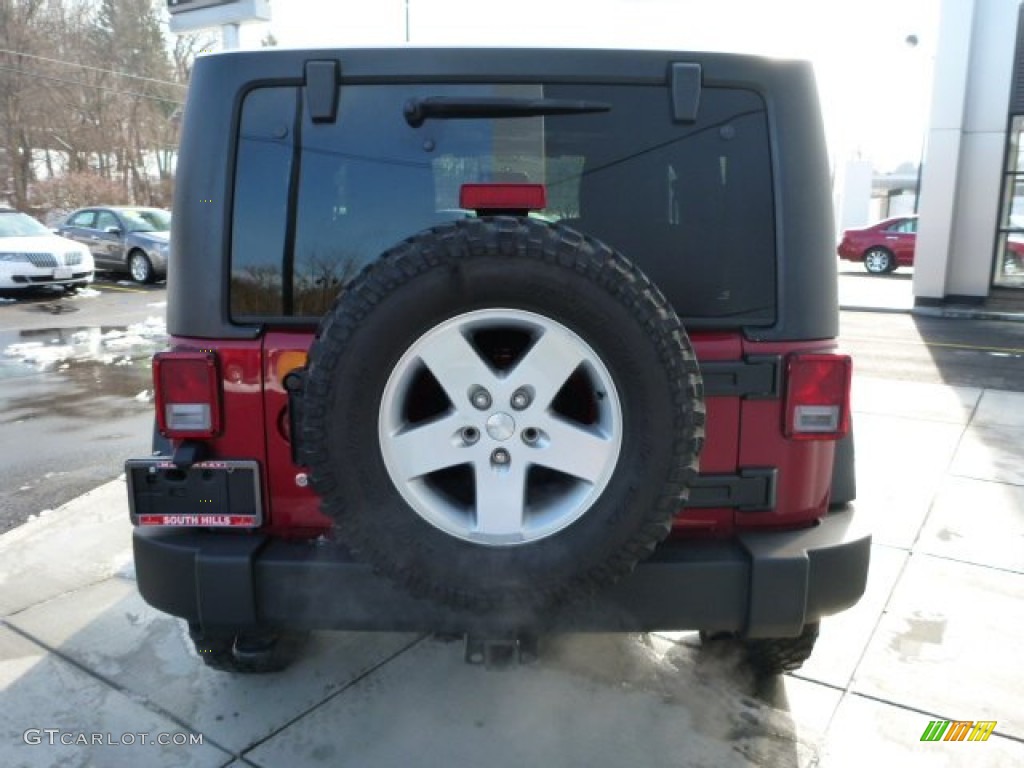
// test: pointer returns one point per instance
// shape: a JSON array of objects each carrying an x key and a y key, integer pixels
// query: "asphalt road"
[
  {"x": 75, "y": 391},
  {"x": 75, "y": 385},
  {"x": 959, "y": 352}
]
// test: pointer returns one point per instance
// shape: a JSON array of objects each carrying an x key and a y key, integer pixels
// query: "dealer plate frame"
[{"x": 208, "y": 494}]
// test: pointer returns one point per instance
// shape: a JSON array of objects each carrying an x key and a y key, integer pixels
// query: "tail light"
[
  {"x": 187, "y": 394},
  {"x": 817, "y": 396}
]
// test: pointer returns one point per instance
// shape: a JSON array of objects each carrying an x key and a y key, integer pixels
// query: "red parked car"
[
  {"x": 890, "y": 244},
  {"x": 883, "y": 246}
]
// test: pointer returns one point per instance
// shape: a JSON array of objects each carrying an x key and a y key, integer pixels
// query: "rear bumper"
[
  {"x": 28, "y": 280},
  {"x": 847, "y": 252},
  {"x": 761, "y": 585}
]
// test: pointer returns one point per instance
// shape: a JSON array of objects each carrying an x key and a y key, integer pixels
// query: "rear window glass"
[{"x": 689, "y": 203}]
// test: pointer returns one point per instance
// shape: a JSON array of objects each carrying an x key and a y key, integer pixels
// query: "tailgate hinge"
[
  {"x": 752, "y": 490},
  {"x": 755, "y": 376}
]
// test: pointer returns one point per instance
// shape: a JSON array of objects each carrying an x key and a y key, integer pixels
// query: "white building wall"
[
  {"x": 942, "y": 154},
  {"x": 972, "y": 248},
  {"x": 960, "y": 183},
  {"x": 854, "y": 198}
]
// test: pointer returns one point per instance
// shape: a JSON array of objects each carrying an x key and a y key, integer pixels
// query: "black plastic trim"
[
  {"x": 685, "y": 79},
  {"x": 322, "y": 78},
  {"x": 758, "y": 376},
  {"x": 189, "y": 452},
  {"x": 752, "y": 490},
  {"x": 294, "y": 385},
  {"x": 844, "y": 471},
  {"x": 223, "y": 579}
]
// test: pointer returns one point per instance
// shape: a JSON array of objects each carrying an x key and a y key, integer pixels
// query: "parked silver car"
[{"x": 123, "y": 239}]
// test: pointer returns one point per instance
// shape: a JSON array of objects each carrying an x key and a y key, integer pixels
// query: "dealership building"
[{"x": 972, "y": 181}]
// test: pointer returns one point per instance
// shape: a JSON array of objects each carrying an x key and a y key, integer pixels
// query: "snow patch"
[
  {"x": 113, "y": 347},
  {"x": 39, "y": 354},
  {"x": 123, "y": 566}
]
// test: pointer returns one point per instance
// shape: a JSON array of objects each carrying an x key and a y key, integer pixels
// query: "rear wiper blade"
[{"x": 417, "y": 111}]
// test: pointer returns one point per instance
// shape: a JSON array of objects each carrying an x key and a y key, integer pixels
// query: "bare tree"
[
  {"x": 18, "y": 34},
  {"x": 89, "y": 88}
]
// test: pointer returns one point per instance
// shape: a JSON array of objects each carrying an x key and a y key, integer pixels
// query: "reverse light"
[
  {"x": 503, "y": 197},
  {"x": 817, "y": 396},
  {"x": 187, "y": 394}
]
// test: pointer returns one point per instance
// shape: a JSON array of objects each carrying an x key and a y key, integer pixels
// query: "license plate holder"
[
  {"x": 209, "y": 494},
  {"x": 62, "y": 273}
]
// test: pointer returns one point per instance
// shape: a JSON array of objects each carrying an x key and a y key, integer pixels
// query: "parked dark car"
[{"x": 124, "y": 239}]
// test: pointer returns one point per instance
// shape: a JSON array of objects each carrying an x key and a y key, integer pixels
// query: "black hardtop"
[{"x": 200, "y": 236}]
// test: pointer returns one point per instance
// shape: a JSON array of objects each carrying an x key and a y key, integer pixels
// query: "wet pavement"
[{"x": 75, "y": 399}]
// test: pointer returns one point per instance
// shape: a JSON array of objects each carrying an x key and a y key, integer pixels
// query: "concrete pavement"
[
  {"x": 936, "y": 637},
  {"x": 863, "y": 292}
]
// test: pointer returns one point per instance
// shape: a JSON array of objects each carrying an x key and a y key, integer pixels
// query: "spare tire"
[{"x": 501, "y": 413}]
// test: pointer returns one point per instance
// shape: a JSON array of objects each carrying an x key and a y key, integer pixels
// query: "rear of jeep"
[{"x": 500, "y": 342}]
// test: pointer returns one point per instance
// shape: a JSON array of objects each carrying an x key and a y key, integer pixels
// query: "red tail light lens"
[
  {"x": 503, "y": 197},
  {"x": 187, "y": 394},
  {"x": 817, "y": 396}
]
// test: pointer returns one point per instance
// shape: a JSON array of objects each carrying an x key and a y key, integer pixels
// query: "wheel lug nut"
[
  {"x": 521, "y": 398},
  {"x": 500, "y": 457},
  {"x": 531, "y": 435},
  {"x": 480, "y": 398},
  {"x": 470, "y": 435}
]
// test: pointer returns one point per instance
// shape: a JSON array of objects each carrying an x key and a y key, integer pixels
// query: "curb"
[
  {"x": 961, "y": 313},
  {"x": 970, "y": 314},
  {"x": 877, "y": 310}
]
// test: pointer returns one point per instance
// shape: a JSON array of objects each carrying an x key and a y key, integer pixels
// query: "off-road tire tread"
[
  {"x": 767, "y": 656},
  {"x": 517, "y": 239}
]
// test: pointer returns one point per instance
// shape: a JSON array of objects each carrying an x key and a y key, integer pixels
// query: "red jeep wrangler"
[{"x": 500, "y": 342}]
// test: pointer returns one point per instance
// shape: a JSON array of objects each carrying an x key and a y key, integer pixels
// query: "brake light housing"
[
  {"x": 188, "y": 394},
  {"x": 817, "y": 405},
  {"x": 485, "y": 198}
]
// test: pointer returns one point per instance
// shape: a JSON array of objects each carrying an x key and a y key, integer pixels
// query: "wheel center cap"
[{"x": 501, "y": 426}]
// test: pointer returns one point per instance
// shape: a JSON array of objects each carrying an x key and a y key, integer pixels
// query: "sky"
[{"x": 874, "y": 87}]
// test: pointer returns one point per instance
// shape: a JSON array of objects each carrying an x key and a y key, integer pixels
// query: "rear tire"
[
  {"x": 140, "y": 268},
  {"x": 765, "y": 656},
  {"x": 879, "y": 261},
  {"x": 244, "y": 653}
]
